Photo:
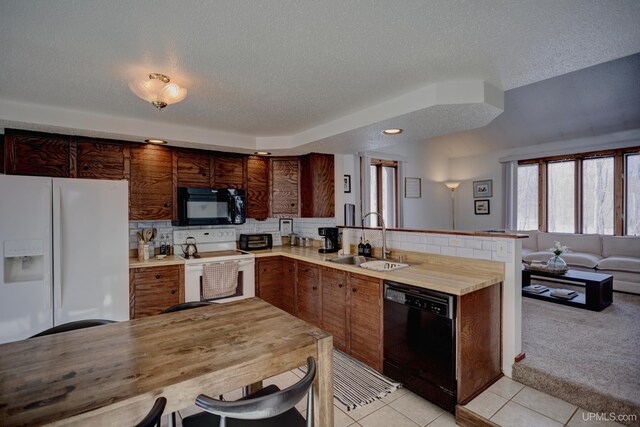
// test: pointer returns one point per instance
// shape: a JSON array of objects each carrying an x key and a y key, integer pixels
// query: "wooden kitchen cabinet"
[
  {"x": 365, "y": 320},
  {"x": 227, "y": 171},
  {"x": 101, "y": 159},
  {"x": 152, "y": 186},
  {"x": 193, "y": 168},
  {"x": 309, "y": 293},
  {"x": 154, "y": 289},
  {"x": 334, "y": 306},
  {"x": 276, "y": 282},
  {"x": 269, "y": 275},
  {"x": 289, "y": 286},
  {"x": 284, "y": 188},
  {"x": 38, "y": 154},
  {"x": 317, "y": 186},
  {"x": 1, "y": 153},
  {"x": 257, "y": 186}
]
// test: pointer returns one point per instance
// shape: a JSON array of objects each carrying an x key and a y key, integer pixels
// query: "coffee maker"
[{"x": 330, "y": 243}]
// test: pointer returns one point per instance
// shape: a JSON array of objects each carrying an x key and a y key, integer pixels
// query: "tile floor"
[{"x": 506, "y": 403}]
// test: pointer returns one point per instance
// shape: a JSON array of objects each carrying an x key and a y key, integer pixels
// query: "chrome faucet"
[{"x": 385, "y": 253}]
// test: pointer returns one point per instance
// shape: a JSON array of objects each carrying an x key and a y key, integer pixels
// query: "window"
[
  {"x": 594, "y": 193},
  {"x": 528, "y": 197},
  {"x": 597, "y": 196},
  {"x": 383, "y": 179},
  {"x": 632, "y": 197},
  {"x": 561, "y": 198}
]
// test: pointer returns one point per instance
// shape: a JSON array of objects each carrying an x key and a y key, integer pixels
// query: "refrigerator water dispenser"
[{"x": 23, "y": 260}]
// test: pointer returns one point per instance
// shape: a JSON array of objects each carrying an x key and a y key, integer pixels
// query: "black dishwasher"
[{"x": 419, "y": 342}]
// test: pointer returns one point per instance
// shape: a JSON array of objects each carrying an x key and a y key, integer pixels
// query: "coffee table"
[{"x": 598, "y": 288}]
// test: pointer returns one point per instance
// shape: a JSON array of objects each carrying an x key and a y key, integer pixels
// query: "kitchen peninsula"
[{"x": 346, "y": 301}]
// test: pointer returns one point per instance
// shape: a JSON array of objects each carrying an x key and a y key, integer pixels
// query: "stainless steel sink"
[
  {"x": 353, "y": 260},
  {"x": 371, "y": 263}
]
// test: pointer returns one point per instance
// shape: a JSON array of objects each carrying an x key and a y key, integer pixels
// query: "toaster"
[{"x": 254, "y": 242}]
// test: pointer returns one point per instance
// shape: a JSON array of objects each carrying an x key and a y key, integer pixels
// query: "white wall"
[
  {"x": 422, "y": 160},
  {"x": 488, "y": 166},
  {"x": 477, "y": 168}
]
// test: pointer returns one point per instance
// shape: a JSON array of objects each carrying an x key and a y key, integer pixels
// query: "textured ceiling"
[
  {"x": 280, "y": 67},
  {"x": 594, "y": 101}
]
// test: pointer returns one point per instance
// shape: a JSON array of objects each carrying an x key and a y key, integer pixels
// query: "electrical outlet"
[{"x": 502, "y": 248}]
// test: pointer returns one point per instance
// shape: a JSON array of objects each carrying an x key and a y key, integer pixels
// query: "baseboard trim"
[{"x": 468, "y": 418}]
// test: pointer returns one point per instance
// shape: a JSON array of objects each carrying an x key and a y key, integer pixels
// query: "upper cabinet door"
[
  {"x": 1, "y": 153},
  {"x": 32, "y": 153},
  {"x": 284, "y": 187},
  {"x": 257, "y": 187},
  {"x": 151, "y": 187},
  {"x": 193, "y": 169},
  {"x": 227, "y": 171},
  {"x": 99, "y": 159},
  {"x": 317, "y": 191}
]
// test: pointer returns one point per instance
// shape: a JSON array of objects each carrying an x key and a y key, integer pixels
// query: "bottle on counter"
[
  {"x": 163, "y": 245},
  {"x": 140, "y": 250},
  {"x": 367, "y": 248},
  {"x": 360, "y": 248},
  {"x": 146, "y": 252}
]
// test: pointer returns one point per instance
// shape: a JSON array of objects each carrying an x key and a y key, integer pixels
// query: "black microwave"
[{"x": 210, "y": 206}]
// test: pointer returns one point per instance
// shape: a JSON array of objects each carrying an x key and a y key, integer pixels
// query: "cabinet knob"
[
  {"x": 314, "y": 288},
  {"x": 353, "y": 289},
  {"x": 340, "y": 285},
  {"x": 85, "y": 168},
  {"x": 157, "y": 276},
  {"x": 173, "y": 292},
  {"x": 167, "y": 205}
]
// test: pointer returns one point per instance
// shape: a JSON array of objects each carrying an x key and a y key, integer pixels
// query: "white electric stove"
[{"x": 215, "y": 245}]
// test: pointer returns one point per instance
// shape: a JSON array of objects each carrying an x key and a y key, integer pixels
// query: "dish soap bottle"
[
  {"x": 360, "y": 248},
  {"x": 367, "y": 248}
]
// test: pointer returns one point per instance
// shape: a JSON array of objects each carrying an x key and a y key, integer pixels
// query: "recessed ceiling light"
[
  {"x": 394, "y": 131},
  {"x": 155, "y": 141},
  {"x": 262, "y": 153}
]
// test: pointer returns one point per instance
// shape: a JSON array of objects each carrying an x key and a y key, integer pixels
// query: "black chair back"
[
  {"x": 155, "y": 414},
  {"x": 266, "y": 406},
  {"x": 186, "y": 306},
  {"x": 72, "y": 326}
]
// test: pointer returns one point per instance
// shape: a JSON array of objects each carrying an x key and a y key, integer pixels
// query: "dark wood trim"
[
  {"x": 520, "y": 357},
  {"x": 619, "y": 218},
  {"x": 618, "y": 156},
  {"x": 542, "y": 196},
  {"x": 73, "y": 158},
  {"x": 468, "y": 418}
]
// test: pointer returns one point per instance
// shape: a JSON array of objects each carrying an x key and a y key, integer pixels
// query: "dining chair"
[
  {"x": 72, "y": 326},
  {"x": 155, "y": 414},
  {"x": 269, "y": 407},
  {"x": 186, "y": 306}
]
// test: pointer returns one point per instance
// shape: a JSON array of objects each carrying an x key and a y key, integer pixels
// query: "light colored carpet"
[{"x": 590, "y": 359}]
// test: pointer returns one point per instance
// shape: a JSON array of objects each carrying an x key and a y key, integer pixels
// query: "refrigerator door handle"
[{"x": 57, "y": 247}]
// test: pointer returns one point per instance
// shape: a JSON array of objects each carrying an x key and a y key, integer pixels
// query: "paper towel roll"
[{"x": 346, "y": 241}]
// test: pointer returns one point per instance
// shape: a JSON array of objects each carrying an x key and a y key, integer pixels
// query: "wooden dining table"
[{"x": 111, "y": 375}]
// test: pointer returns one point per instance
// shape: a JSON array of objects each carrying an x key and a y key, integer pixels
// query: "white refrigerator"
[{"x": 65, "y": 250}]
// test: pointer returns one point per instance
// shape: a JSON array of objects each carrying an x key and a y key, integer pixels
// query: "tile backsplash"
[{"x": 305, "y": 227}]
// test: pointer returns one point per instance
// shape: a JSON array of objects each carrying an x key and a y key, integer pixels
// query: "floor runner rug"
[{"x": 355, "y": 384}]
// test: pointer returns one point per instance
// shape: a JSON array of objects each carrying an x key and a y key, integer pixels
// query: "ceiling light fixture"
[
  {"x": 393, "y": 131},
  {"x": 155, "y": 141},
  {"x": 158, "y": 90},
  {"x": 262, "y": 153}
]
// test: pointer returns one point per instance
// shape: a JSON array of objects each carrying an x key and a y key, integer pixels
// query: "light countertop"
[{"x": 452, "y": 275}]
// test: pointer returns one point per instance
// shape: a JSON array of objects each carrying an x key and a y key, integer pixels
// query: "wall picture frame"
[
  {"x": 482, "y": 189},
  {"x": 412, "y": 188},
  {"x": 482, "y": 207},
  {"x": 347, "y": 183}
]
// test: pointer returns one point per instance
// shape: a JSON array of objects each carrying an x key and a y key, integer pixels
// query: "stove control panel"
[{"x": 209, "y": 235}]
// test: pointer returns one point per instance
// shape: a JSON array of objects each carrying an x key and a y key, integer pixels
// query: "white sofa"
[{"x": 618, "y": 256}]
